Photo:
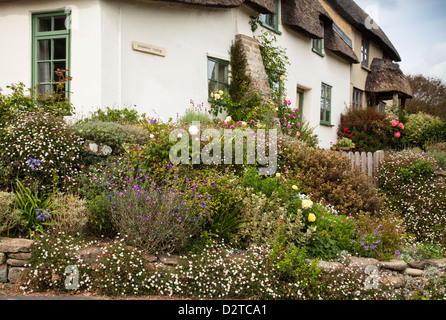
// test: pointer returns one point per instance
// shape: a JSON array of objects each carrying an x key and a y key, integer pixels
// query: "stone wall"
[
  {"x": 14, "y": 254},
  {"x": 256, "y": 69}
]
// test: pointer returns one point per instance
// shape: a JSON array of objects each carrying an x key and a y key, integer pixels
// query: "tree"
[{"x": 429, "y": 96}]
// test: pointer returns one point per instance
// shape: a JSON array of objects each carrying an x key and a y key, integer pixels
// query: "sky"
[{"x": 417, "y": 29}]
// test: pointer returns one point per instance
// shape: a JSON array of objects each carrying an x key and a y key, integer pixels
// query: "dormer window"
[
  {"x": 318, "y": 44},
  {"x": 365, "y": 48},
  {"x": 271, "y": 21}
]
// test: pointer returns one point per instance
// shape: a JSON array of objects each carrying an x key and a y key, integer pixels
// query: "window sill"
[
  {"x": 326, "y": 124},
  {"x": 365, "y": 68},
  {"x": 276, "y": 30},
  {"x": 319, "y": 53}
]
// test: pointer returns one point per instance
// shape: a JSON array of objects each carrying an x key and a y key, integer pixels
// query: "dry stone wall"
[{"x": 14, "y": 254}]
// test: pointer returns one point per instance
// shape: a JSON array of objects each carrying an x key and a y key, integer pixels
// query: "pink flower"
[
  {"x": 232, "y": 127},
  {"x": 298, "y": 124},
  {"x": 252, "y": 122},
  {"x": 289, "y": 126},
  {"x": 397, "y": 134},
  {"x": 298, "y": 134},
  {"x": 401, "y": 126},
  {"x": 394, "y": 123}
]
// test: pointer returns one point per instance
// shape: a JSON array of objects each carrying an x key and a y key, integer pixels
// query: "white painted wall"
[{"x": 108, "y": 72}]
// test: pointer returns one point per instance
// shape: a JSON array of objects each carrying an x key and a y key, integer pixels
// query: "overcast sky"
[{"x": 417, "y": 29}]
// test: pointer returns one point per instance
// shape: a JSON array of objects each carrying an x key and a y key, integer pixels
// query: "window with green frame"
[
  {"x": 326, "y": 91},
  {"x": 50, "y": 48},
  {"x": 218, "y": 71},
  {"x": 318, "y": 44},
  {"x": 271, "y": 21}
]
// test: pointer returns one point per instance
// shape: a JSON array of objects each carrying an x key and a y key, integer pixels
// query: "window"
[
  {"x": 365, "y": 52},
  {"x": 271, "y": 21},
  {"x": 357, "y": 99},
  {"x": 50, "y": 48},
  {"x": 318, "y": 44},
  {"x": 326, "y": 104},
  {"x": 217, "y": 75}
]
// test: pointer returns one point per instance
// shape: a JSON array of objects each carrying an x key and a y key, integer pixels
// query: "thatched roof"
[
  {"x": 334, "y": 43},
  {"x": 354, "y": 15},
  {"x": 304, "y": 16},
  {"x": 387, "y": 77},
  {"x": 261, "y": 6}
]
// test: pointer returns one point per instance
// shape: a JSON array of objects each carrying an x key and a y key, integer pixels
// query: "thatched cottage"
[{"x": 159, "y": 54}]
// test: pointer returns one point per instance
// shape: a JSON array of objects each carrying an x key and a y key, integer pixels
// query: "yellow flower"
[
  {"x": 311, "y": 217},
  {"x": 306, "y": 204},
  {"x": 277, "y": 175},
  {"x": 220, "y": 92},
  {"x": 294, "y": 187}
]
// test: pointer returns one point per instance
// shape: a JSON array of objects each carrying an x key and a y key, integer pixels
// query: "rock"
[
  {"x": 15, "y": 245},
  {"x": 2, "y": 258},
  {"x": 169, "y": 259},
  {"x": 3, "y": 273},
  {"x": 438, "y": 263},
  {"x": 14, "y": 274},
  {"x": 414, "y": 272},
  {"x": 16, "y": 262},
  {"x": 417, "y": 264},
  {"x": 106, "y": 150},
  {"x": 362, "y": 262},
  {"x": 397, "y": 265},
  {"x": 150, "y": 258},
  {"x": 20, "y": 256},
  {"x": 392, "y": 281},
  {"x": 89, "y": 255},
  {"x": 329, "y": 266}
]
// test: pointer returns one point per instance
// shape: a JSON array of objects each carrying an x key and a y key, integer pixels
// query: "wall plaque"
[{"x": 148, "y": 48}]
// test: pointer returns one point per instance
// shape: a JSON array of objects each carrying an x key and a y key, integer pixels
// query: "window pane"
[
  {"x": 43, "y": 88},
  {"x": 222, "y": 71},
  {"x": 59, "y": 23},
  {"x": 60, "y": 49},
  {"x": 44, "y": 50},
  {"x": 222, "y": 86},
  {"x": 44, "y": 72},
  {"x": 212, "y": 86},
  {"x": 212, "y": 70},
  {"x": 58, "y": 65},
  {"x": 327, "y": 116},
  {"x": 45, "y": 24}
]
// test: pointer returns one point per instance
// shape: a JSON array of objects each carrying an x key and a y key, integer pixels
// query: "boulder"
[
  {"x": 413, "y": 272},
  {"x": 362, "y": 262},
  {"x": 14, "y": 245},
  {"x": 16, "y": 262},
  {"x": 438, "y": 263},
  {"x": 169, "y": 259},
  {"x": 14, "y": 274},
  {"x": 2, "y": 258},
  {"x": 394, "y": 264},
  {"x": 3, "y": 273}
]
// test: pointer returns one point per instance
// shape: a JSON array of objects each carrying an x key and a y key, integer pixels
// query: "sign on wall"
[{"x": 148, "y": 48}]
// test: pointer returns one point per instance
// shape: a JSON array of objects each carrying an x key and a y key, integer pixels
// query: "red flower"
[{"x": 397, "y": 134}]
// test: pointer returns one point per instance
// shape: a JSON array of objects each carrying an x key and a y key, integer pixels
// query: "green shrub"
[
  {"x": 327, "y": 176},
  {"x": 43, "y": 148},
  {"x": 13, "y": 105},
  {"x": 422, "y": 128},
  {"x": 123, "y": 116},
  {"x": 113, "y": 134},
  {"x": 69, "y": 214}
]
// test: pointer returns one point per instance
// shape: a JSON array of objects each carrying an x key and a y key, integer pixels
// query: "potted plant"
[{"x": 344, "y": 144}]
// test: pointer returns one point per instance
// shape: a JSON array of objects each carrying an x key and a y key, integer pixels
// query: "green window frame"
[
  {"x": 51, "y": 46},
  {"x": 271, "y": 20},
  {"x": 318, "y": 45},
  {"x": 218, "y": 75},
  {"x": 326, "y": 96}
]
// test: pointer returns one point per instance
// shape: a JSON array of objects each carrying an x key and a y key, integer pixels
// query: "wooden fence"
[{"x": 368, "y": 162}]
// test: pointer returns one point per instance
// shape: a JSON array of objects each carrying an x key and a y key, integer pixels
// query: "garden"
[{"x": 240, "y": 234}]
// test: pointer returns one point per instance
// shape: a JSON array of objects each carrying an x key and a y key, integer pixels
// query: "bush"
[
  {"x": 69, "y": 214},
  {"x": 422, "y": 128},
  {"x": 19, "y": 101},
  {"x": 327, "y": 176},
  {"x": 367, "y": 128},
  {"x": 43, "y": 148},
  {"x": 413, "y": 190},
  {"x": 158, "y": 219},
  {"x": 9, "y": 215},
  {"x": 122, "y": 116},
  {"x": 113, "y": 134}
]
